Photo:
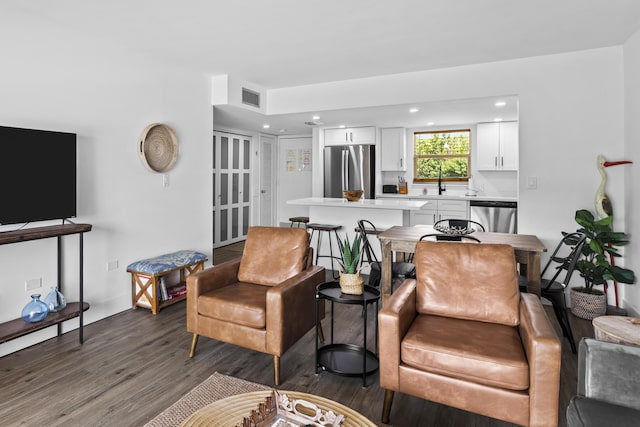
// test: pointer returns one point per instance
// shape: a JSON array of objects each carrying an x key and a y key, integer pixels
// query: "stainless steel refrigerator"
[{"x": 349, "y": 167}]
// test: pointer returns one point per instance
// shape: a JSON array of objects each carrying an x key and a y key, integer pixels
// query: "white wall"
[
  {"x": 570, "y": 110},
  {"x": 55, "y": 80},
  {"x": 631, "y": 294},
  {"x": 295, "y": 184}
]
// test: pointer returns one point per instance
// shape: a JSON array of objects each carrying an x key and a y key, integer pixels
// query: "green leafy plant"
[
  {"x": 600, "y": 248},
  {"x": 351, "y": 253}
]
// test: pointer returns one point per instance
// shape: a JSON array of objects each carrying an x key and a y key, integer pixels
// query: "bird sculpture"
[{"x": 603, "y": 204}]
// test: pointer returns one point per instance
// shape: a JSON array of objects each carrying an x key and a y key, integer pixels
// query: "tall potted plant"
[{"x": 596, "y": 265}]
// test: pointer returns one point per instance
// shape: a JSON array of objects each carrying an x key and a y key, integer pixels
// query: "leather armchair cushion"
[
  {"x": 240, "y": 303},
  {"x": 272, "y": 256},
  {"x": 488, "y": 353},
  {"x": 451, "y": 274}
]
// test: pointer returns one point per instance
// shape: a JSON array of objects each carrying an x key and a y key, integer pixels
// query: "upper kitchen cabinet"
[
  {"x": 350, "y": 136},
  {"x": 497, "y": 146},
  {"x": 393, "y": 149}
]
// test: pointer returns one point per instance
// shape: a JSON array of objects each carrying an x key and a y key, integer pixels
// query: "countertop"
[
  {"x": 394, "y": 196},
  {"x": 393, "y": 203}
]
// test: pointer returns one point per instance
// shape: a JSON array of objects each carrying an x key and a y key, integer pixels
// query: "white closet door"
[{"x": 231, "y": 186}]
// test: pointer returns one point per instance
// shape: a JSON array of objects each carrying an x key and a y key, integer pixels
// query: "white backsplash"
[{"x": 503, "y": 184}]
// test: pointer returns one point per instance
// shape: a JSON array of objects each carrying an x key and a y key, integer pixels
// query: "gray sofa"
[{"x": 608, "y": 385}]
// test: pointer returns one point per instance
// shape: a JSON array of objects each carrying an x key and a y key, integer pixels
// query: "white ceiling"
[
  {"x": 281, "y": 43},
  {"x": 446, "y": 113}
]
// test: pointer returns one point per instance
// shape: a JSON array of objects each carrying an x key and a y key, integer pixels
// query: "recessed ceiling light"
[
  {"x": 282, "y": 130},
  {"x": 413, "y": 110},
  {"x": 501, "y": 103},
  {"x": 316, "y": 117},
  {"x": 342, "y": 126},
  {"x": 266, "y": 126},
  {"x": 497, "y": 119},
  {"x": 430, "y": 123}
]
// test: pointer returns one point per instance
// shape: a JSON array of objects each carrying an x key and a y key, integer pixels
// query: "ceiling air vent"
[{"x": 250, "y": 97}]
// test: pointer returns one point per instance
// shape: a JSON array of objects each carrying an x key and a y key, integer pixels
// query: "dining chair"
[
  {"x": 553, "y": 289},
  {"x": 399, "y": 270}
]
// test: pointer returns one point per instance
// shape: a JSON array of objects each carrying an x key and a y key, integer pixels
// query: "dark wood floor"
[{"x": 134, "y": 365}]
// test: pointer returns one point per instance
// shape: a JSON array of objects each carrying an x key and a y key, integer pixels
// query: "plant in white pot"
[
  {"x": 596, "y": 265},
  {"x": 351, "y": 282}
]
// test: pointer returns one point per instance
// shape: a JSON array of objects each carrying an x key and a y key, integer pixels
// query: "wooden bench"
[{"x": 148, "y": 286}]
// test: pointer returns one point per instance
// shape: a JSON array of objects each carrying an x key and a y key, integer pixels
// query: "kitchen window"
[{"x": 443, "y": 153}]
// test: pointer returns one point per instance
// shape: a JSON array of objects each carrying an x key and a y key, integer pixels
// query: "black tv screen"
[{"x": 37, "y": 175}]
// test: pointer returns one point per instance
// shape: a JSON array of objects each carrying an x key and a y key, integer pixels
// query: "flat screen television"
[{"x": 37, "y": 175}]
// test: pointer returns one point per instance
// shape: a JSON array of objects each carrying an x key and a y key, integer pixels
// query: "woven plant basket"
[
  {"x": 352, "y": 284},
  {"x": 587, "y": 306}
]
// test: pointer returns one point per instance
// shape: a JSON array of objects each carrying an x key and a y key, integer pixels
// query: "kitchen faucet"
[{"x": 441, "y": 187}]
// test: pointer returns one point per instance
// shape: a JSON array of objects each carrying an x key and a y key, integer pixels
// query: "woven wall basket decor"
[{"x": 158, "y": 147}]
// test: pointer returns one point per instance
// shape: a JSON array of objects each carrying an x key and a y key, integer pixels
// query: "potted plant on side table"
[
  {"x": 596, "y": 265},
  {"x": 351, "y": 282}
]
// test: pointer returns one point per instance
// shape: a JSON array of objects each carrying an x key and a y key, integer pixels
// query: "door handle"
[{"x": 263, "y": 191}]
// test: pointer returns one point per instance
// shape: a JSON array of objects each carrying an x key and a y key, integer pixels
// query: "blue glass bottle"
[
  {"x": 55, "y": 300},
  {"x": 35, "y": 310}
]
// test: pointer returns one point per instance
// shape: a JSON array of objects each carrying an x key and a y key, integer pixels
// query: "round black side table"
[{"x": 347, "y": 359}]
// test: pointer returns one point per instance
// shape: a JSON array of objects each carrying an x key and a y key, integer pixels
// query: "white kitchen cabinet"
[
  {"x": 497, "y": 146},
  {"x": 436, "y": 210},
  {"x": 348, "y": 136},
  {"x": 393, "y": 149}
]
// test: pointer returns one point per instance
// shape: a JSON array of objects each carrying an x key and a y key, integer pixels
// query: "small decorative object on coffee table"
[
  {"x": 347, "y": 359},
  {"x": 279, "y": 411}
]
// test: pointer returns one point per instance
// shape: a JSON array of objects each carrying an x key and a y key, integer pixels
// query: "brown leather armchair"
[
  {"x": 462, "y": 335},
  {"x": 263, "y": 301}
]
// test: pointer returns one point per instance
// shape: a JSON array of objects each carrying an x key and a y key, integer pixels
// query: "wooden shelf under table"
[{"x": 18, "y": 327}]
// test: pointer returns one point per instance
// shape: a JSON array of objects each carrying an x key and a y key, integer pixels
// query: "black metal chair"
[
  {"x": 399, "y": 270},
  {"x": 552, "y": 289},
  {"x": 458, "y": 224}
]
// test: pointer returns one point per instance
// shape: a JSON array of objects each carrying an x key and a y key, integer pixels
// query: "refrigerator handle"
[
  {"x": 361, "y": 167},
  {"x": 345, "y": 169}
]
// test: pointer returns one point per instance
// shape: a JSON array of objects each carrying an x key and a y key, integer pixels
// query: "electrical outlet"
[
  {"x": 32, "y": 284},
  {"x": 112, "y": 265}
]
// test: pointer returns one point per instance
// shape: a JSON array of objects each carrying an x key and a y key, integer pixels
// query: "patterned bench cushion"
[{"x": 166, "y": 262}]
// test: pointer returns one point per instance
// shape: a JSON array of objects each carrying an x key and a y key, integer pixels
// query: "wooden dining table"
[{"x": 528, "y": 250}]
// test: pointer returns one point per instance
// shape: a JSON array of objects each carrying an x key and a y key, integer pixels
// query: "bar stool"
[
  {"x": 326, "y": 228},
  {"x": 297, "y": 220}
]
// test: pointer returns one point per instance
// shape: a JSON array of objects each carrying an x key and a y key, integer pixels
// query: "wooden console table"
[{"x": 18, "y": 327}]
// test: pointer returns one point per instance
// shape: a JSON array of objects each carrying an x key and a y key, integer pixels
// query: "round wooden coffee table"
[
  {"x": 617, "y": 329},
  {"x": 231, "y": 410}
]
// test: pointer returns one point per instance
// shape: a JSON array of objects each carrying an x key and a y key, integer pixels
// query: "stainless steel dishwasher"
[{"x": 496, "y": 216}]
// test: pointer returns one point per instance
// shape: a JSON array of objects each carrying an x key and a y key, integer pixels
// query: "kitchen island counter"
[
  {"x": 393, "y": 204},
  {"x": 383, "y": 213}
]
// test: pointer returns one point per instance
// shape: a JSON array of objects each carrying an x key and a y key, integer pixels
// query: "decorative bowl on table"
[
  {"x": 353, "y": 195},
  {"x": 453, "y": 230}
]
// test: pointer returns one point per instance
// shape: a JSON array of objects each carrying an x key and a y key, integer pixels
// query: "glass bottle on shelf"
[
  {"x": 55, "y": 300},
  {"x": 35, "y": 310}
]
